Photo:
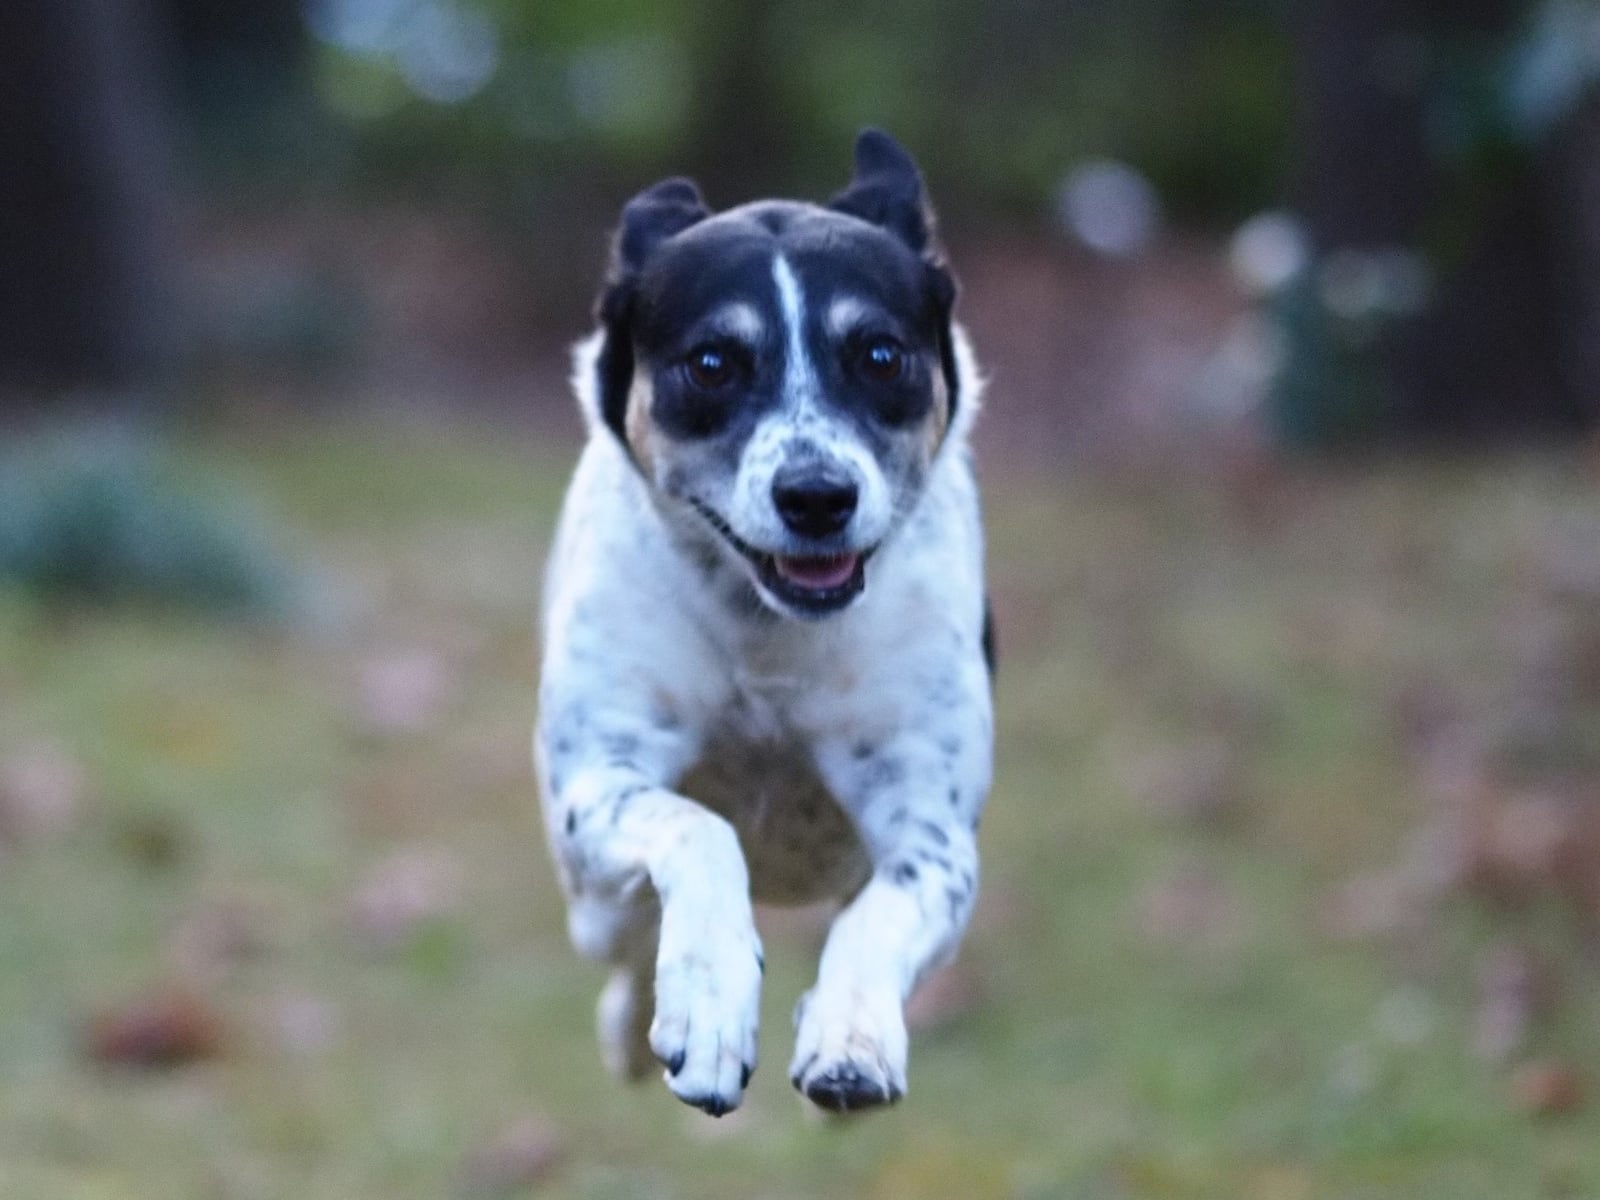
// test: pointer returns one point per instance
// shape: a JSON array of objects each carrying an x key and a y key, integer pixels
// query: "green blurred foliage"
[
  {"x": 998, "y": 99},
  {"x": 94, "y": 519}
]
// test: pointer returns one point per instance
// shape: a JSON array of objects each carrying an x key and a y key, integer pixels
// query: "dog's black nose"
[{"x": 814, "y": 502}]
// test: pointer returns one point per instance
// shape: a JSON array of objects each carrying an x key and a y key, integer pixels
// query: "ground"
[{"x": 308, "y": 861}]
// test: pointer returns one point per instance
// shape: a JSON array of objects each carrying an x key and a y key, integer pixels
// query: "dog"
[{"x": 767, "y": 650}]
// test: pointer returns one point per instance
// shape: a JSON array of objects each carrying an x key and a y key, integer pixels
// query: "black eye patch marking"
[
  {"x": 698, "y": 394},
  {"x": 881, "y": 360},
  {"x": 883, "y": 376},
  {"x": 711, "y": 367}
]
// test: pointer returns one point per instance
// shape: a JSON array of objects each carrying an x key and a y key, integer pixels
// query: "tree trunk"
[
  {"x": 1492, "y": 352},
  {"x": 85, "y": 224}
]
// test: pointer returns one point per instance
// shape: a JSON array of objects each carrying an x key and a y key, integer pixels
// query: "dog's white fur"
[{"x": 692, "y": 757}]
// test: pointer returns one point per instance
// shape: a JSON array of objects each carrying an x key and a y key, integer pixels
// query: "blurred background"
[{"x": 1292, "y": 316}]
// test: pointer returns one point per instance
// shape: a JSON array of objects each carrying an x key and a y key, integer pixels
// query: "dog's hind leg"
[
  {"x": 622, "y": 1021},
  {"x": 626, "y": 935}
]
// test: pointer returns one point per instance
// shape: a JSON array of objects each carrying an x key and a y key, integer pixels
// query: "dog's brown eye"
[
  {"x": 709, "y": 368},
  {"x": 882, "y": 360}
]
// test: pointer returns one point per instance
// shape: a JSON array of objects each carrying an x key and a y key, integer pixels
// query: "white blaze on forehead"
[{"x": 800, "y": 375}]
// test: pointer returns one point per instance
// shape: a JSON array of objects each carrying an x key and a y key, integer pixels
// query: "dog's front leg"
[
  {"x": 850, "y": 1038},
  {"x": 620, "y": 838}
]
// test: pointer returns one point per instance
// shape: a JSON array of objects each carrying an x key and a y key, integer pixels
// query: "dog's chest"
[{"x": 758, "y": 773}]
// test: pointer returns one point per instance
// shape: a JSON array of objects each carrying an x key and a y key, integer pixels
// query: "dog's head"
[{"x": 782, "y": 374}]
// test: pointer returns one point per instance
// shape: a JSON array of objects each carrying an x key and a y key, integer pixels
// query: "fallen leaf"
[
  {"x": 1547, "y": 1088},
  {"x": 166, "y": 1028}
]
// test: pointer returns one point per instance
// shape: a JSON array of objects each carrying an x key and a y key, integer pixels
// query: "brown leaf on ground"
[
  {"x": 1547, "y": 1088},
  {"x": 1527, "y": 840},
  {"x": 165, "y": 1028},
  {"x": 525, "y": 1153}
]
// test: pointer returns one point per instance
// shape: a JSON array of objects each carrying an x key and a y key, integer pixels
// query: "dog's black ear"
[
  {"x": 653, "y": 216},
  {"x": 613, "y": 365},
  {"x": 650, "y": 218},
  {"x": 887, "y": 190}
]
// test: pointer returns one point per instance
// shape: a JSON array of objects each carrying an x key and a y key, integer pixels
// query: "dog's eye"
[
  {"x": 882, "y": 360},
  {"x": 709, "y": 368}
]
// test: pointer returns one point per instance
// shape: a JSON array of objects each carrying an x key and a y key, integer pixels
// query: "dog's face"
[{"x": 782, "y": 374}]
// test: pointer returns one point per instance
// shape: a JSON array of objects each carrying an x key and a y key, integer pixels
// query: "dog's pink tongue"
[{"x": 819, "y": 574}]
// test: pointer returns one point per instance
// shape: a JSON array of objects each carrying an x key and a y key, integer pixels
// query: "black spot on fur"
[
  {"x": 620, "y": 747},
  {"x": 882, "y": 772},
  {"x": 936, "y": 832},
  {"x": 956, "y": 900},
  {"x": 989, "y": 645},
  {"x": 939, "y": 861},
  {"x": 572, "y": 820},
  {"x": 904, "y": 873}
]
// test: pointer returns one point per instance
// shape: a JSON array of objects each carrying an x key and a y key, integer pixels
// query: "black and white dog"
[{"x": 765, "y": 638}]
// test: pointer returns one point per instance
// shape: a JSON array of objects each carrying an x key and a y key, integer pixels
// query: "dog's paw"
[
  {"x": 622, "y": 1020},
  {"x": 850, "y": 1053},
  {"x": 708, "y": 999}
]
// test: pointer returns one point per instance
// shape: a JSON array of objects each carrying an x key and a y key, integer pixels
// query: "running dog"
[{"x": 767, "y": 654}]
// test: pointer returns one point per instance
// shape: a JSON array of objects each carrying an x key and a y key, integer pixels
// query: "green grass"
[{"x": 1249, "y": 1055}]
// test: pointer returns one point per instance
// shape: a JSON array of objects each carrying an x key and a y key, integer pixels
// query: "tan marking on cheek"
[
  {"x": 640, "y": 426},
  {"x": 939, "y": 418}
]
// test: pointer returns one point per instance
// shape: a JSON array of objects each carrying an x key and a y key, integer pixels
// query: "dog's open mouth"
[
  {"x": 818, "y": 584},
  {"x": 812, "y": 584}
]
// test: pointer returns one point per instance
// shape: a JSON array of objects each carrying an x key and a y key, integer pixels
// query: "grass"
[{"x": 1215, "y": 1043}]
